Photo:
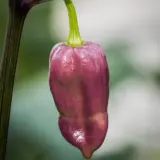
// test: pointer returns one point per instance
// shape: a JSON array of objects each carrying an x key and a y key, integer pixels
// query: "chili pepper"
[{"x": 79, "y": 83}]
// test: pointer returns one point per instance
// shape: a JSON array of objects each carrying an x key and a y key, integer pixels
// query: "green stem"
[
  {"x": 74, "y": 38},
  {"x": 7, "y": 74}
]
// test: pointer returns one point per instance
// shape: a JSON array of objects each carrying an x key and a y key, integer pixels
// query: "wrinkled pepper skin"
[{"x": 79, "y": 83}]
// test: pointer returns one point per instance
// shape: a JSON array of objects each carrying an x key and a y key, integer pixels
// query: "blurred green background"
[{"x": 33, "y": 131}]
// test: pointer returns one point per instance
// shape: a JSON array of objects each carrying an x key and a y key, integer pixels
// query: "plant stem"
[
  {"x": 74, "y": 38},
  {"x": 7, "y": 74},
  {"x": 18, "y": 10}
]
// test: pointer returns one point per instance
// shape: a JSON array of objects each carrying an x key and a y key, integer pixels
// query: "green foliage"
[
  {"x": 120, "y": 68},
  {"x": 124, "y": 154}
]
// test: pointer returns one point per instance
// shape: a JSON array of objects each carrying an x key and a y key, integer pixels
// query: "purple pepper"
[{"x": 79, "y": 83}]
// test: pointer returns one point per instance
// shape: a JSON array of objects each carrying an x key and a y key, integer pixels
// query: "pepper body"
[{"x": 79, "y": 83}]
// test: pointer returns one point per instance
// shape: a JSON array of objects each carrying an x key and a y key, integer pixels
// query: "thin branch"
[
  {"x": 17, "y": 14},
  {"x": 7, "y": 74}
]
